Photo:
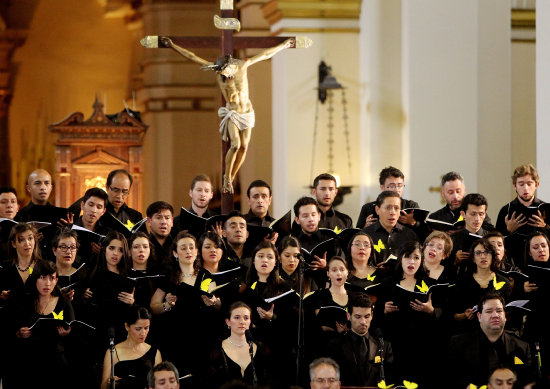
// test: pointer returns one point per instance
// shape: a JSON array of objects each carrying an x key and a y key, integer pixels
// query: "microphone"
[
  {"x": 250, "y": 341},
  {"x": 249, "y": 338},
  {"x": 379, "y": 334},
  {"x": 111, "y": 335}
]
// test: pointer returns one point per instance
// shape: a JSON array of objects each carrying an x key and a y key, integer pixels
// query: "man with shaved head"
[{"x": 39, "y": 187}]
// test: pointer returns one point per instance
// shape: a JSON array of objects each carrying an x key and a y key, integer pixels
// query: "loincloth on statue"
[{"x": 241, "y": 120}]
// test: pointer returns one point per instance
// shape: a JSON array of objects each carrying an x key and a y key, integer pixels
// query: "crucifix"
[{"x": 236, "y": 113}]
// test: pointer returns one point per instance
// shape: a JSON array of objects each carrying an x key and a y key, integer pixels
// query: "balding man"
[{"x": 39, "y": 187}]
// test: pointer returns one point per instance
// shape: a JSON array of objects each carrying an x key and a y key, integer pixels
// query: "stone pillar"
[
  {"x": 333, "y": 27},
  {"x": 543, "y": 97},
  {"x": 456, "y": 97}
]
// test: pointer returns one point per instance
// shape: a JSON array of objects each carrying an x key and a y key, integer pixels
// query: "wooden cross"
[{"x": 228, "y": 43}]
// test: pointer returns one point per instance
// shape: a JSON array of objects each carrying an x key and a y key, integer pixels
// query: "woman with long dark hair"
[{"x": 40, "y": 338}]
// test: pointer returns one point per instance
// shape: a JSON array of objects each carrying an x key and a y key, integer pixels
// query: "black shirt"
[
  {"x": 517, "y": 207},
  {"x": 332, "y": 218},
  {"x": 124, "y": 214},
  {"x": 447, "y": 215},
  {"x": 388, "y": 243},
  {"x": 251, "y": 218}
]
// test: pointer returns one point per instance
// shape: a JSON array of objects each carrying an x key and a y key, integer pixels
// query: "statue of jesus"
[{"x": 238, "y": 114}]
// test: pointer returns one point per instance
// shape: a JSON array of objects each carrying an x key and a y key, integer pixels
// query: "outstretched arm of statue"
[
  {"x": 186, "y": 53},
  {"x": 266, "y": 54}
]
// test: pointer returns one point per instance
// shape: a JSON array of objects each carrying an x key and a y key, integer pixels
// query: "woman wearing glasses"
[
  {"x": 471, "y": 286},
  {"x": 362, "y": 269},
  {"x": 71, "y": 280}
]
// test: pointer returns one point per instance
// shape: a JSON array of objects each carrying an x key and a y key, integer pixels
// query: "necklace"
[
  {"x": 46, "y": 306},
  {"x": 236, "y": 344},
  {"x": 25, "y": 269}
]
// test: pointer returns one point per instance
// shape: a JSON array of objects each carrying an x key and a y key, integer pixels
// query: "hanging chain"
[
  {"x": 346, "y": 129},
  {"x": 315, "y": 124},
  {"x": 330, "y": 126}
]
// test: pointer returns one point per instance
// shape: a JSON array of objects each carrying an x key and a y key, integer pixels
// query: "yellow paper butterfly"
[
  {"x": 205, "y": 284},
  {"x": 517, "y": 361},
  {"x": 382, "y": 385},
  {"x": 129, "y": 224},
  {"x": 371, "y": 277},
  {"x": 30, "y": 271},
  {"x": 497, "y": 285},
  {"x": 377, "y": 359},
  {"x": 337, "y": 230},
  {"x": 472, "y": 386},
  {"x": 460, "y": 218},
  {"x": 253, "y": 286},
  {"x": 379, "y": 246},
  {"x": 423, "y": 288},
  {"x": 58, "y": 316},
  {"x": 410, "y": 385}
]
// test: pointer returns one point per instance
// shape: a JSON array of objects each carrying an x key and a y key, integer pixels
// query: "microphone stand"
[
  {"x": 537, "y": 353},
  {"x": 254, "y": 376},
  {"x": 112, "y": 348},
  {"x": 381, "y": 351},
  {"x": 300, "y": 348}
]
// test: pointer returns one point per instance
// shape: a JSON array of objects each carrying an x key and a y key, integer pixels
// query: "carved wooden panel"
[{"x": 87, "y": 150}]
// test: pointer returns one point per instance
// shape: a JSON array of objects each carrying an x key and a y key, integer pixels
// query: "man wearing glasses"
[
  {"x": 324, "y": 374},
  {"x": 391, "y": 179},
  {"x": 118, "y": 185}
]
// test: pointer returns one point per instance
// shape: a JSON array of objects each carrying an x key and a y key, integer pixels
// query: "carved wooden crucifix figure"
[{"x": 236, "y": 113}]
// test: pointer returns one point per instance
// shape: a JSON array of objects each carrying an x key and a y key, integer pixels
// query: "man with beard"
[
  {"x": 453, "y": 191},
  {"x": 525, "y": 214},
  {"x": 473, "y": 356},
  {"x": 325, "y": 191}
]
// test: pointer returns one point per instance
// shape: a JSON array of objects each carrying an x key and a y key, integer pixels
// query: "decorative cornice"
[
  {"x": 276, "y": 10},
  {"x": 524, "y": 18}
]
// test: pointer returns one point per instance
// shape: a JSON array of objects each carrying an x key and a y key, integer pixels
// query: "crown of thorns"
[{"x": 220, "y": 64}]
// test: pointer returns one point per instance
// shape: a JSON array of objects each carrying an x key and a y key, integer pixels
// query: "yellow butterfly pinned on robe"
[
  {"x": 30, "y": 271},
  {"x": 379, "y": 246},
  {"x": 371, "y": 277},
  {"x": 253, "y": 286},
  {"x": 497, "y": 285},
  {"x": 472, "y": 386},
  {"x": 460, "y": 218},
  {"x": 205, "y": 284},
  {"x": 129, "y": 225},
  {"x": 423, "y": 288},
  {"x": 382, "y": 385},
  {"x": 337, "y": 230},
  {"x": 58, "y": 316},
  {"x": 410, "y": 385},
  {"x": 517, "y": 361}
]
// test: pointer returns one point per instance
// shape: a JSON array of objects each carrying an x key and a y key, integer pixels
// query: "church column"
[
  {"x": 180, "y": 103},
  {"x": 333, "y": 27},
  {"x": 9, "y": 41},
  {"x": 543, "y": 97},
  {"x": 456, "y": 97}
]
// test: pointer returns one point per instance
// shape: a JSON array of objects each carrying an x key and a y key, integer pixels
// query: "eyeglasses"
[
  {"x": 433, "y": 246},
  {"x": 362, "y": 245},
  {"x": 479, "y": 253},
  {"x": 330, "y": 380},
  {"x": 395, "y": 186},
  {"x": 125, "y": 192},
  {"x": 66, "y": 248}
]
